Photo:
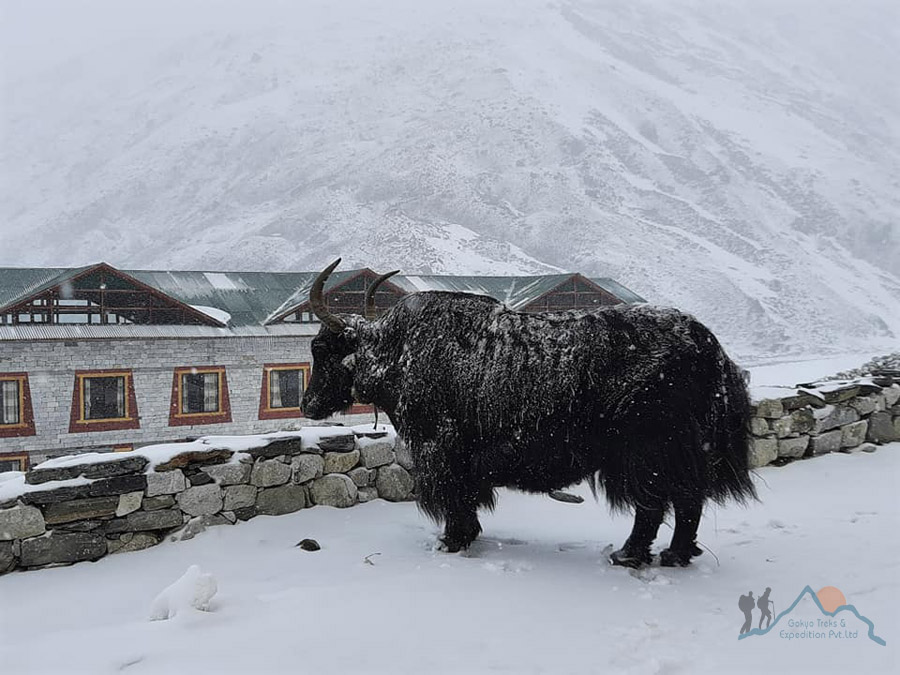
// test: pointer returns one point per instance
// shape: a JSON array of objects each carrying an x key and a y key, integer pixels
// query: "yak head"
[{"x": 334, "y": 350}]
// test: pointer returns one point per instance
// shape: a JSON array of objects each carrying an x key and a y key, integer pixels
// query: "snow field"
[{"x": 533, "y": 595}]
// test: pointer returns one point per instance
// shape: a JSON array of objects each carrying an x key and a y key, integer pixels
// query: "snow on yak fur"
[{"x": 641, "y": 400}]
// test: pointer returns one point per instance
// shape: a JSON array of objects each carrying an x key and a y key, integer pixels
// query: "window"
[
  {"x": 13, "y": 463},
  {"x": 282, "y": 388},
  {"x": 103, "y": 400},
  {"x": 200, "y": 393},
  {"x": 199, "y": 396},
  {"x": 11, "y": 403},
  {"x": 285, "y": 388},
  {"x": 16, "y": 418}
]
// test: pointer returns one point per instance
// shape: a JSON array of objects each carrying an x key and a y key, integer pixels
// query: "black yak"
[{"x": 641, "y": 400}]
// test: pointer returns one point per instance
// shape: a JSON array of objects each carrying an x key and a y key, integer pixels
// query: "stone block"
[
  {"x": 229, "y": 474},
  {"x": 199, "y": 478},
  {"x": 830, "y": 441},
  {"x": 367, "y": 494},
  {"x": 128, "y": 503},
  {"x": 404, "y": 456},
  {"x": 867, "y": 447},
  {"x": 891, "y": 395},
  {"x": 80, "y": 509},
  {"x": 130, "y": 542},
  {"x": 841, "y": 394},
  {"x": 21, "y": 522},
  {"x": 166, "y": 483},
  {"x": 762, "y": 452},
  {"x": 239, "y": 497},
  {"x": 334, "y": 489},
  {"x": 338, "y": 442},
  {"x": 195, "y": 458},
  {"x": 100, "y": 488},
  {"x": 864, "y": 405},
  {"x": 803, "y": 421},
  {"x": 341, "y": 462},
  {"x": 281, "y": 446},
  {"x": 854, "y": 434},
  {"x": 375, "y": 454},
  {"x": 881, "y": 428},
  {"x": 280, "y": 500},
  {"x": 115, "y": 466},
  {"x": 793, "y": 447},
  {"x": 58, "y": 547},
  {"x": 7, "y": 557},
  {"x": 770, "y": 408},
  {"x": 783, "y": 427},
  {"x": 760, "y": 427},
  {"x": 362, "y": 476},
  {"x": 245, "y": 513},
  {"x": 306, "y": 468},
  {"x": 201, "y": 500},
  {"x": 269, "y": 473},
  {"x": 142, "y": 521},
  {"x": 834, "y": 417},
  {"x": 159, "y": 502}
]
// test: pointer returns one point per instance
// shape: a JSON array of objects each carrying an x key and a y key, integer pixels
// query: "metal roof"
[
  {"x": 253, "y": 299},
  {"x": 514, "y": 292},
  {"x": 37, "y": 331},
  {"x": 617, "y": 289},
  {"x": 17, "y": 284},
  {"x": 301, "y": 294}
]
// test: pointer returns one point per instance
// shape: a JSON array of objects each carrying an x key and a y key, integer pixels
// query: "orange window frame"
[
  {"x": 126, "y": 375},
  {"x": 77, "y": 421},
  {"x": 21, "y": 458},
  {"x": 25, "y": 425},
  {"x": 266, "y": 412},
  {"x": 179, "y": 418}
]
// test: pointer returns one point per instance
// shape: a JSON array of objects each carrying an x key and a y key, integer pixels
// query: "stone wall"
[
  {"x": 833, "y": 417},
  {"x": 51, "y": 366},
  {"x": 90, "y": 506}
]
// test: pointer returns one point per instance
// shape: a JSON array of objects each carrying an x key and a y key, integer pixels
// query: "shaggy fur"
[{"x": 642, "y": 401}]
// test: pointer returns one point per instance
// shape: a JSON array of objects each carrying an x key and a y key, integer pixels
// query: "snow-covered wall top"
[
  {"x": 736, "y": 160},
  {"x": 83, "y": 507}
]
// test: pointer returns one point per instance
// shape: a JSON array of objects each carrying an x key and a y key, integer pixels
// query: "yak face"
[{"x": 330, "y": 387}]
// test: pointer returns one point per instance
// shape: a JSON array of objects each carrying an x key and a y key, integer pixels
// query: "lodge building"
[{"x": 101, "y": 359}]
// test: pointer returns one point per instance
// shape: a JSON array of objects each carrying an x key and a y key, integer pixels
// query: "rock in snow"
[{"x": 194, "y": 590}]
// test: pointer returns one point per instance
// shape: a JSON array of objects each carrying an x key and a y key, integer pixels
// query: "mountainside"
[{"x": 740, "y": 161}]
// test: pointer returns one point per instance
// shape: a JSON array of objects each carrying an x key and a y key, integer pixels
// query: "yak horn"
[
  {"x": 370, "y": 294},
  {"x": 317, "y": 302}
]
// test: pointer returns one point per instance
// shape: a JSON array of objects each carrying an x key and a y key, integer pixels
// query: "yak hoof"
[
  {"x": 678, "y": 558},
  {"x": 630, "y": 558},
  {"x": 450, "y": 546}
]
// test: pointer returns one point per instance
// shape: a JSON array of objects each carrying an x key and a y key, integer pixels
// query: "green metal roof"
[
  {"x": 617, "y": 289},
  {"x": 514, "y": 292},
  {"x": 17, "y": 284},
  {"x": 255, "y": 298}
]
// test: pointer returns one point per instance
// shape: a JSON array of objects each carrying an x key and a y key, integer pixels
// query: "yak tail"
[{"x": 729, "y": 455}]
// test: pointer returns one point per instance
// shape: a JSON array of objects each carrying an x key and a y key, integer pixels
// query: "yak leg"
[
  {"x": 460, "y": 530},
  {"x": 636, "y": 551},
  {"x": 684, "y": 540}
]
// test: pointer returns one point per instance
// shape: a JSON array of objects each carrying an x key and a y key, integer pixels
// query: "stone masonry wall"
[
  {"x": 84, "y": 511},
  {"x": 841, "y": 417},
  {"x": 51, "y": 366}
]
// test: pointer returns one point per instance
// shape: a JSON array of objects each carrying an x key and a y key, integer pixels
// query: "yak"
[{"x": 640, "y": 401}]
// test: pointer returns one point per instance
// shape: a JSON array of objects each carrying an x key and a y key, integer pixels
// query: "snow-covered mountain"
[{"x": 738, "y": 160}]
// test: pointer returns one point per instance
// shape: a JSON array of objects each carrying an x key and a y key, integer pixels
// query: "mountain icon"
[{"x": 826, "y": 599}]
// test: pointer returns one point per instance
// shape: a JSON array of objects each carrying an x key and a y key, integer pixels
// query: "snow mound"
[{"x": 193, "y": 590}]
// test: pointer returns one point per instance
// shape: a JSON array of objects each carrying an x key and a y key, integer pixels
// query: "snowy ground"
[{"x": 535, "y": 595}]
